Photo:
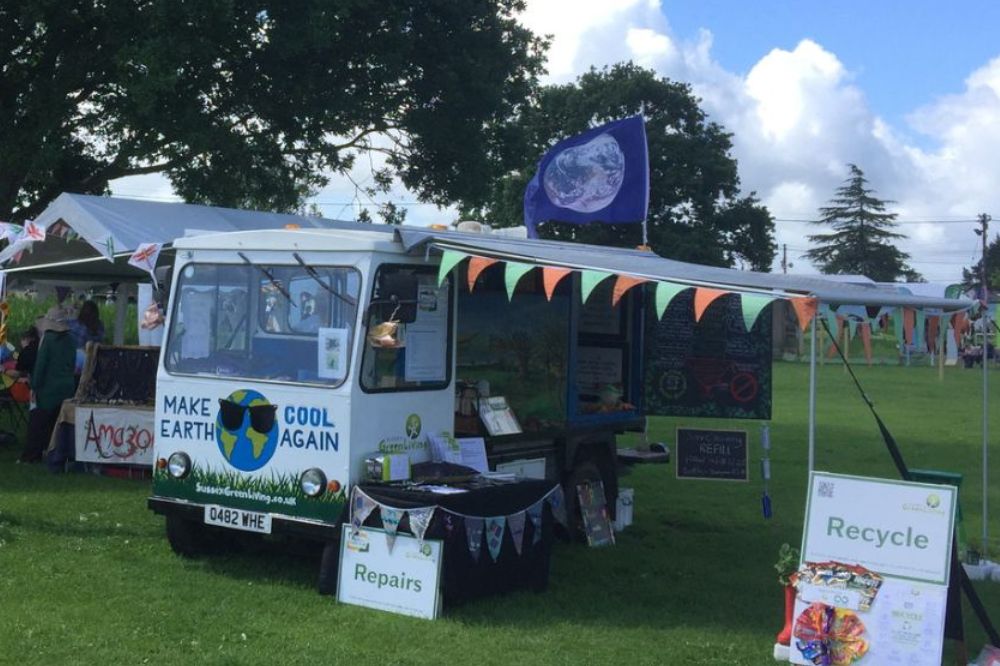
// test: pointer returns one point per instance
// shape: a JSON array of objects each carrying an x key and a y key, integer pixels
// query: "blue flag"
[{"x": 601, "y": 175}]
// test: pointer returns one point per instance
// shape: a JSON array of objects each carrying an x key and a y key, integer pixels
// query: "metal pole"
[
  {"x": 984, "y": 221},
  {"x": 812, "y": 396}
]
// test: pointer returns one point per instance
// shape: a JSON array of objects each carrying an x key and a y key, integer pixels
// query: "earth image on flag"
[
  {"x": 586, "y": 178},
  {"x": 243, "y": 446}
]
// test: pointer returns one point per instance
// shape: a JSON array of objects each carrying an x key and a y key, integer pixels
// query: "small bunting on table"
[
  {"x": 558, "y": 504},
  {"x": 623, "y": 284},
  {"x": 494, "y": 535},
  {"x": 476, "y": 266},
  {"x": 474, "y": 535},
  {"x": 551, "y": 276},
  {"x": 752, "y": 305},
  {"x": 665, "y": 292},
  {"x": 449, "y": 259},
  {"x": 805, "y": 310},
  {"x": 420, "y": 520},
  {"x": 589, "y": 280},
  {"x": 703, "y": 297},
  {"x": 361, "y": 508},
  {"x": 535, "y": 514},
  {"x": 513, "y": 272},
  {"x": 515, "y": 522},
  {"x": 390, "y": 523}
]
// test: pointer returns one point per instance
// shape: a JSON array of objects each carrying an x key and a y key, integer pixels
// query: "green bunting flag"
[
  {"x": 513, "y": 272},
  {"x": 449, "y": 259},
  {"x": 665, "y": 292},
  {"x": 897, "y": 325},
  {"x": 589, "y": 280},
  {"x": 752, "y": 305}
]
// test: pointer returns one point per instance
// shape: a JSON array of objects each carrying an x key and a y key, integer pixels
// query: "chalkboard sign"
[
  {"x": 124, "y": 375},
  {"x": 720, "y": 455},
  {"x": 713, "y": 368}
]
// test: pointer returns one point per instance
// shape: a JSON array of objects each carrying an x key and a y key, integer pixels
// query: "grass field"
[{"x": 86, "y": 575}]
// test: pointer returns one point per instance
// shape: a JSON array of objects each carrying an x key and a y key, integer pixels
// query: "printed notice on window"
[{"x": 427, "y": 337}]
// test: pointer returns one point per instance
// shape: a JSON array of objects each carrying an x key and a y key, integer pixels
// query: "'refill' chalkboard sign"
[
  {"x": 712, "y": 368},
  {"x": 719, "y": 455}
]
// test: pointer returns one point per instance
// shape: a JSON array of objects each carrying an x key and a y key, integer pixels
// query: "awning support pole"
[
  {"x": 986, "y": 425},
  {"x": 812, "y": 396}
]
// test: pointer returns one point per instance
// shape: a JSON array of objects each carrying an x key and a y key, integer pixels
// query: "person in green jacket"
[{"x": 52, "y": 381}]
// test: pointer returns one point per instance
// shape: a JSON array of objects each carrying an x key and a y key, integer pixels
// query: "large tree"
[
  {"x": 696, "y": 212},
  {"x": 255, "y": 103},
  {"x": 862, "y": 242}
]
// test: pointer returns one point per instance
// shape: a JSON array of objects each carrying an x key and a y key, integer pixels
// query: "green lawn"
[{"x": 86, "y": 575}]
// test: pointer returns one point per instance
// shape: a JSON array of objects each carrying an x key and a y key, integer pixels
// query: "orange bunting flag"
[
  {"x": 909, "y": 322},
  {"x": 932, "y": 332},
  {"x": 622, "y": 284},
  {"x": 866, "y": 340},
  {"x": 551, "y": 275},
  {"x": 805, "y": 310},
  {"x": 476, "y": 266},
  {"x": 703, "y": 297}
]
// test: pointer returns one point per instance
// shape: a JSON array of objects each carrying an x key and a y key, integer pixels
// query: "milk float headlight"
[
  {"x": 313, "y": 482},
  {"x": 179, "y": 464}
]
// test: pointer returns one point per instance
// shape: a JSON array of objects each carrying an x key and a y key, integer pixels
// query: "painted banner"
[
  {"x": 114, "y": 435},
  {"x": 875, "y": 564},
  {"x": 403, "y": 579},
  {"x": 712, "y": 368}
]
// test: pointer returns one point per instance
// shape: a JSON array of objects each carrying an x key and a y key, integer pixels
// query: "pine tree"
[{"x": 862, "y": 242}]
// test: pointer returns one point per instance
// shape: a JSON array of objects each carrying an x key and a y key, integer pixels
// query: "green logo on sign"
[
  {"x": 933, "y": 501},
  {"x": 413, "y": 426}
]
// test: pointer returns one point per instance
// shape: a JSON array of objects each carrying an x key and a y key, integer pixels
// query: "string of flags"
[
  {"x": 476, "y": 528},
  {"x": 752, "y": 303}
]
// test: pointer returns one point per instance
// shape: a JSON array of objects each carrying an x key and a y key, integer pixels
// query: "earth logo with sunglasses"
[{"x": 246, "y": 429}]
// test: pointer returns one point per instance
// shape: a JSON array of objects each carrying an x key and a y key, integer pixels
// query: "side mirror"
[{"x": 397, "y": 297}]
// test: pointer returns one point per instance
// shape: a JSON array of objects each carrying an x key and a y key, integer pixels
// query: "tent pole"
[
  {"x": 812, "y": 396},
  {"x": 986, "y": 427}
]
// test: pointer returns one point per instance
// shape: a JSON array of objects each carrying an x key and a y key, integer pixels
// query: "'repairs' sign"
[{"x": 401, "y": 579}]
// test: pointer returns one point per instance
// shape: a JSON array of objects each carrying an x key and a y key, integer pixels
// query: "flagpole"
[{"x": 812, "y": 396}]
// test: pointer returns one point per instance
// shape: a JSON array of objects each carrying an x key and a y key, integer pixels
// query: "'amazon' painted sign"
[{"x": 114, "y": 435}]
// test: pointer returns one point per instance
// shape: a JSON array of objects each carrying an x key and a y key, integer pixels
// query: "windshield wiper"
[
  {"x": 270, "y": 276},
  {"x": 316, "y": 278}
]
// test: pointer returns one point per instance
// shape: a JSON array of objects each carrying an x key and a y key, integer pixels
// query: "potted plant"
[{"x": 787, "y": 564}]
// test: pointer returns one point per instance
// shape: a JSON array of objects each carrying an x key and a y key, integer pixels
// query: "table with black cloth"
[{"x": 463, "y": 577}]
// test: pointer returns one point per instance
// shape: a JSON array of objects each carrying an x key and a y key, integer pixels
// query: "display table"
[{"x": 465, "y": 576}]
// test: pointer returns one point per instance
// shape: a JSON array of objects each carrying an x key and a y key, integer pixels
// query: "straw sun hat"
[{"x": 53, "y": 320}]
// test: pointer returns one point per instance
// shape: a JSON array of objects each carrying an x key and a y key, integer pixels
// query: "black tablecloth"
[{"x": 463, "y": 577}]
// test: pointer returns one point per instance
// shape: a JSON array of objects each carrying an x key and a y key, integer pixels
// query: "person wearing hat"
[{"x": 52, "y": 381}]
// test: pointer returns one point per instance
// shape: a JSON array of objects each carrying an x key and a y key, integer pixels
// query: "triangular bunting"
[
  {"x": 703, "y": 297},
  {"x": 420, "y": 520},
  {"x": 752, "y": 305},
  {"x": 361, "y": 508},
  {"x": 558, "y": 504},
  {"x": 476, "y": 266},
  {"x": 494, "y": 535},
  {"x": 449, "y": 259},
  {"x": 515, "y": 522},
  {"x": 805, "y": 310},
  {"x": 852, "y": 327},
  {"x": 390, "y": 523},
  {"x": 551, "y": 275},
  {"x": 474, "y": 536},
  {"x": 513, "y": 272},
  {"x": 665, "y": 292},
  {"x": 623, "y": 284},
  {"x": 535, "y": 514},
  {"x": 589, "y": 280}
]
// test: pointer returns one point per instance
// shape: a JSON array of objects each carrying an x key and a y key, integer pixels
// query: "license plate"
[{"x": 238, "y": 519}]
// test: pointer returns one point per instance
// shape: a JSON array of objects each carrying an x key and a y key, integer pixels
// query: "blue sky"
[{"x": 902, "y": 54}]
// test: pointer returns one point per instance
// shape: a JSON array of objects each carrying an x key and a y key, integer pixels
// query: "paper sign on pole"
[
  {"x": 900, "y": 531},
  {"x": 404, "y": 581}
]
